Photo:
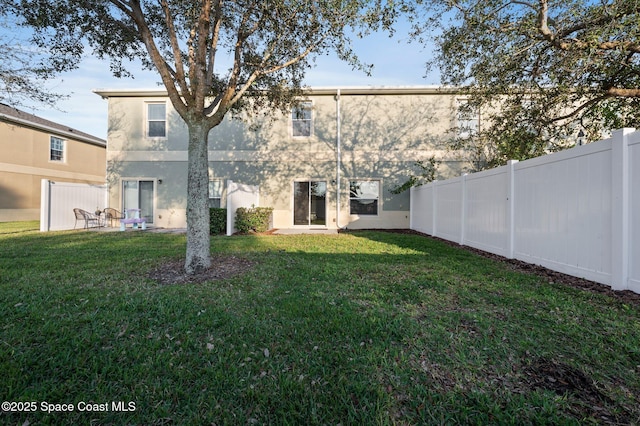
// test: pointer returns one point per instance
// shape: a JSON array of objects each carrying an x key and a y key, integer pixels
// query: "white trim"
[
  {"x": 147, "y": 120},
  {"x": 379, "y": 199}
]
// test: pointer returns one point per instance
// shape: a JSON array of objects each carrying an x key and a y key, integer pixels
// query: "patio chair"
[
  {"x": 87, "y": 217},
  {"x": 112, "y": 215}
]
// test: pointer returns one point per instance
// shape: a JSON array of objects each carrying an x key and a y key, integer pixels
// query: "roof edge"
[
  {"x": 71, "y": 133},
  {"x": 346, "y": 90}
]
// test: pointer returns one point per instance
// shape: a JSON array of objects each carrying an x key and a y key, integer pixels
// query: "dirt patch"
[
  {"x": 584, "y": 398},
  {"x": 222, "y": 267},
  {"x": 625, "y": 296}
]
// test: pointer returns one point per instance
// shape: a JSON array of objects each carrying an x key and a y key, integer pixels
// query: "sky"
[{"x": 397, "y": 62}]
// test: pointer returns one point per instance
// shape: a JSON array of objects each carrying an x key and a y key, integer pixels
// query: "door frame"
[
  {"x": 293, "y": 203},
  {"x": 155, "y": 195}
]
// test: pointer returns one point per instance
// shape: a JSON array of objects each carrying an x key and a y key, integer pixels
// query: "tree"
[
  {"x": 267, "y": 46},
  {"x": 23, "y": 68},
  {"x": 426, "y": 173},
  {"x": 539, "y": 70}
]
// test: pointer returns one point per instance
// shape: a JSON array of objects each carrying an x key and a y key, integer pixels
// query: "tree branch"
[
  {"x": 134, "y": 11},
  {"x": 177, "y": 53}
]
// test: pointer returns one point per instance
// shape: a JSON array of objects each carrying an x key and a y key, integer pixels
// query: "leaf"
[{"x": 266, "y": 353}]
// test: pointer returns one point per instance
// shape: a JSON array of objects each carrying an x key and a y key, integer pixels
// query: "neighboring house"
[
  {"x": 331, "y": 162},
  {"x": 34, "y": 149}
]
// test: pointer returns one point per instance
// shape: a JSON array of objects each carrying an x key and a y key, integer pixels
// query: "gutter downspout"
[{"x": 338, "y": 158}]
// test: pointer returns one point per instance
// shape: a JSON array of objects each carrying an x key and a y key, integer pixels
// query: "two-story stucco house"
[
  {"x": 329, "y": 163},
  {"x": 34, "y": 149}
]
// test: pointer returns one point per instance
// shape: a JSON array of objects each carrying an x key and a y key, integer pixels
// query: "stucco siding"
[{"x": 382, "y": 135}]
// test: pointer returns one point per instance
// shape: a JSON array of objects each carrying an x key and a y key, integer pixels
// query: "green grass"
[{"x": 358, "y": 328}]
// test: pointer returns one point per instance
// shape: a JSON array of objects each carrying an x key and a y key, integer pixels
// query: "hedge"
[
  {"x": 254, "y": 219},
  {"x": 217, "y": 221}
]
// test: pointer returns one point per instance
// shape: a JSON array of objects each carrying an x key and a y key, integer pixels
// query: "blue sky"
[{"x": 396, "y": 63}]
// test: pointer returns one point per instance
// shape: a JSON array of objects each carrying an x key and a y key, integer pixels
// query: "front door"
[
  {"x": 309, "y": 203},
  {"x": 138, "y": 194}
]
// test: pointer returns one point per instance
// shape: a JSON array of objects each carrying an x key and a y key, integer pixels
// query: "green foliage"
[
  {"x": 217, "y": 221},
  {"x": 23, "y": 70},
  {"x": 539, "y": 72},
  {"x": 254, "y": 219},
  {"x": 268, "y": 46},
  {"x": 426, "y": 173}
]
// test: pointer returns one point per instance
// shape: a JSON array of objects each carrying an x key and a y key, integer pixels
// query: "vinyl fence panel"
[
  {"x": 634, "y": 211},
  {"x": 487, "y": 210},
  {"x": 576, "y": 211},
  {"x": 58, "y": 199},
  {"x": 239, "y": 195}
]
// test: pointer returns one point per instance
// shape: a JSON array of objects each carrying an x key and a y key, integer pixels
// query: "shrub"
[
  {"x": 217, "y": 221},
  {"x": 254, "y": 219}
]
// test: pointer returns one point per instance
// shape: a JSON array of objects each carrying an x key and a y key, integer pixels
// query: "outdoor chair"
[
  {"x": 112, "y": 215},
  {"x": 88, "y": 218}
]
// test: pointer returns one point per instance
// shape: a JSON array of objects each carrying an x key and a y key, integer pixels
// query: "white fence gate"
[
  {"x": 575, "y": 211},
  {"x": 239, "y": 195},
  {"x": 58, "y": 199}
]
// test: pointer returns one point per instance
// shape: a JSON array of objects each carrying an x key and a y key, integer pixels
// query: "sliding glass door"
[
  {"x": 139, "y": 194},
  {"x": 310, "y": 203}
]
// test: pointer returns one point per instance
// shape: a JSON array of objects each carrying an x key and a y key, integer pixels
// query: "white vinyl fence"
[
  {"x": 575, "y": 211},
  {"x": 239, "y": 195},
  {"x": 58, "y": 199}
]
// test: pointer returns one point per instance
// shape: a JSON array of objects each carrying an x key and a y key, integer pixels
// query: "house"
[
  {"x": 332, "y": 162},
  {"x": 34, "y": 149}
]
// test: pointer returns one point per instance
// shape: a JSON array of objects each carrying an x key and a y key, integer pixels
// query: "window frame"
[
  {"x": 376, "y": 200},
  {"x": 62, "y": 150},
  {"x": 149, "y": 120},
  {"x": 303, "y": 106},
  {"x": 221, "y": 190},
  {"x": 467, "y": 122}
]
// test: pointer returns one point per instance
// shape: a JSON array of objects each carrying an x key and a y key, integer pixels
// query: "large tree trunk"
[{"x": 198, "y": 239}]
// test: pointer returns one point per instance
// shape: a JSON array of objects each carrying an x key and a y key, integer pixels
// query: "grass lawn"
[{"x": 357, "y": 328}]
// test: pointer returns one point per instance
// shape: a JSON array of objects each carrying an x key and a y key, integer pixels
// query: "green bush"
[
  {"x": 254, "y": 219},
  {"x": 217, "y": 221}
]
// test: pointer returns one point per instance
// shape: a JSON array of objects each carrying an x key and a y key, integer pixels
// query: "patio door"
[
  {"x": 139, "y": 194},
  {"x": 310, "y": 203}
]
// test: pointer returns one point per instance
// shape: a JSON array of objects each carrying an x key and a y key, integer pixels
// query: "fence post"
[
  {"x": 230, "y": 208},
  {"x": 463, "y": 208},
  {"x": 45, "y": 205},
  {"x": 412, "y": 196},
  {"x": 620, "y": 209},
  {"x": 511, "y": 214},
  {"x": 434, "y": 207}
]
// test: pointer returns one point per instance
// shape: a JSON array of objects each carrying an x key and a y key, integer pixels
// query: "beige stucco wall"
[
  {"x": 382, "y": 134},
  {"x": 25, "y": 161}
]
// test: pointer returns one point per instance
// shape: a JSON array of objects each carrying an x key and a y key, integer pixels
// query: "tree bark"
[{"x": 198, "y": 239}]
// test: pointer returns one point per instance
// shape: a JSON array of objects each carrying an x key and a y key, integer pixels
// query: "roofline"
[
  {"x": 67, "y": 133},
  {"x": 347, "y": 90}
]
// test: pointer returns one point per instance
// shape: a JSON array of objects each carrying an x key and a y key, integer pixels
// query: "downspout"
[{"x": 338, "y": 158}]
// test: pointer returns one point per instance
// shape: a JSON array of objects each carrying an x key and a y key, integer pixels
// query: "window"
[
  {"x": 56, "y": 149},
  {"x": 157, "y": 120},
  {"x": 215, "y": 193},
  {"x": 363, "y": 197},
  {"x": 467, "y": 117},
  {"x": 301, "y": 120}
]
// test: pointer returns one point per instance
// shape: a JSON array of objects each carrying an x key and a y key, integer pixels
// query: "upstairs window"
[
  {"x": 301, "y": 119},
  {"x": 157, "y": 120},
  {"x": 467, "y": 118},
  {"x": 363, "y": 197},
  {"x": 56, "y": 149}
]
